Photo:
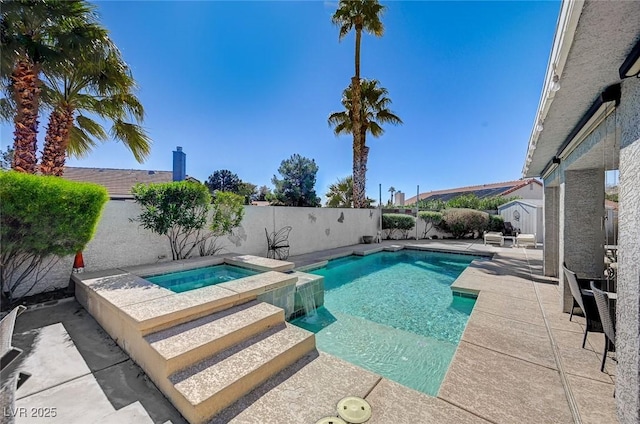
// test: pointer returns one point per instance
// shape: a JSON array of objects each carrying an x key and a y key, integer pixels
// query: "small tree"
[
  {"x": 223, "y": 180},
  {"x": 496, "y": 223},
  {"x": 431, "y": 220},
  {"x": 397, "y": 222},
  {"x": 177, "y": 210},
  {"x": 41, "y": 220},
  {"x": 227, "y": 214},
  {"x": 296, "y": 188},
  {"x": 263, "y": 193},
  {"x": 248, "y": 192}
]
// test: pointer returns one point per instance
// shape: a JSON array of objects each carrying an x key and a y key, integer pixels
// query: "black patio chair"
[
  {"x": 278, "y": 243},
  {"x": 10, "y": 381},
  {"x": 509, "y": 230},
  {"x": 584, "y": 299},
  {"x": 608, "y": 321}
]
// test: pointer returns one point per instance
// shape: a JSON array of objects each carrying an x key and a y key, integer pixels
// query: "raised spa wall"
[{"x": 288, "y": 297}]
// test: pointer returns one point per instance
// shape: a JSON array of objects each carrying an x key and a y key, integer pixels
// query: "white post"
[
  {"x": 417, "y": 200},
  {"x": 380, "y": 207}
]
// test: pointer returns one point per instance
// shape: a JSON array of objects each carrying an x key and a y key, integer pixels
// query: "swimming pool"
[
  {"x": 393, "y": 313},
  {"x": 200, "y": 277}
]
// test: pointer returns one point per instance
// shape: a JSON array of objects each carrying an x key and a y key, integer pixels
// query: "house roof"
[
  {"x": 481, "y": 191},
  {"x": 117, "y": 181},
  {"x": 592, "y": 40}
]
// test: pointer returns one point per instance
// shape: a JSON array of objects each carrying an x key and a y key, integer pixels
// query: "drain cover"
[
  {"x": 331, "y": 420},
  {"x": 354, "y": 410}
]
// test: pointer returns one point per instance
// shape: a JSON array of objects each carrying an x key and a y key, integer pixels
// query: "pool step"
[
  {"x": 191, "y": 342},
  {"x": 215, "y": 383}
]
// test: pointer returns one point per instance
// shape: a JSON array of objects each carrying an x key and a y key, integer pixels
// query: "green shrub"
[
  {"x": 177, "y": 210},
  {"x": 394, "y": 222},
  {"x": 492, "y": 203},
  {"x": 432, "y": 205},
  {"x": 496, "y": 223},
  {"x": 461, "y": 222},
  {"x": 431, "y": 220},
  {"x": 466, "y": 201},
  {"x": 43, "y": 218}
]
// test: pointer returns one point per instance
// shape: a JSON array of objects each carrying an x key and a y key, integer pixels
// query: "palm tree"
[
  {"x": 359, "y": 15},
  {"x": 340, "y": 193},
  {"x": 98, "y": 82},
  {"x": 34, "y": 35},
  {"x": 375, "y": 112},
  {"x": 392, "y": 190}
]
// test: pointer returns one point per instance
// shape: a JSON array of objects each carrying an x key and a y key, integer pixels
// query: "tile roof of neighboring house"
[
  {"x": 485, "y": 190},
  {"x": 611, "y": 204},
  {"x": 117, "y": 181}
]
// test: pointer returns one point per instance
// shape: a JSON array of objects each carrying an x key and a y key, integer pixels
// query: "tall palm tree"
[
  {"x": 359, "y": 15},
  {"x": 392, "y": 190},
  {"x": 340, "y": 193},
  {"x": 374, "y": 112},
  {"x": 98, "y": 82},
  {"x": 33, "y": 34}
]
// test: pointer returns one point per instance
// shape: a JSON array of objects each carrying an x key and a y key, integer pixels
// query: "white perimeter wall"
[{"x": 121, "y": 242}]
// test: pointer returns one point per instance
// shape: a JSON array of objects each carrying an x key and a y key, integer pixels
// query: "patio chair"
[
  {"x": 524, "y": 240},
  {"x": 585, "y": 300},
  {"x": 509, "y": 230},
  {"x": 278, "y": 243},
  {"x": 493, "y": 237},
  {"x": 608, "y": 321},
  {"x": 8, "y": 354}
]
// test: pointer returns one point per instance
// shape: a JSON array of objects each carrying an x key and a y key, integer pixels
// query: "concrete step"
[
  {"x": 186, "y": 344},
  {"x": 215, "y": 383},
  {"x": 133, "y": 413}
]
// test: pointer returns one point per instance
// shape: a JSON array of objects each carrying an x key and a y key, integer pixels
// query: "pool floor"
[{"x": 393, "y": 314}]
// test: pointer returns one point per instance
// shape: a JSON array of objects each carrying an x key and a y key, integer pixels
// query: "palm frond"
[
  {"x": 91, "y": 127},
  {"x": 7, "y": 110},
  {"x": 134, "y": 137},
  {"x": 80, "y": 143}
]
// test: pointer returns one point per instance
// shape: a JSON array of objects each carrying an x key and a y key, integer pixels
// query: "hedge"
[
  {"x": 393, "y": 222},
  {"x": 461, "y": 222},
  {"x": 40, "y": 217}
]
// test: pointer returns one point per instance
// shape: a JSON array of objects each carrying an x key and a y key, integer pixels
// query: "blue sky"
[{"x": 244, "y": 85}]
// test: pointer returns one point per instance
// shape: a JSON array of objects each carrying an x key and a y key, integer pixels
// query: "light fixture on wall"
[
  {"x": 631, "y": 65},
  {"x": 539, "y": 126},
  {"x": 555, "y": 83}
]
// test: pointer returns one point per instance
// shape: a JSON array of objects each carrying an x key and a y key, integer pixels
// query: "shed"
[{"x": 524, "y": 214}]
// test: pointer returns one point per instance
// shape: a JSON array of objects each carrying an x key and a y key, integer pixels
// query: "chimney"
[
  {"x": 399, "y": 198},
  {"x": 179, "y": 165}
]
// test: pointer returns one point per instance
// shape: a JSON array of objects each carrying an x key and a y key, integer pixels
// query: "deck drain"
[
  {"x": 331, "y": 420},
  {"x": 354, "y": 410}
]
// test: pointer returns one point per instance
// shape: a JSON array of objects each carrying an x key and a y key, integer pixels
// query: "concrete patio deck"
[{"x": 519, "y": 359}]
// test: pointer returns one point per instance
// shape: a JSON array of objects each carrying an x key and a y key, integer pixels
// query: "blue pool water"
[
  {"x": 200, "y": 277},
  {"x": 393, "y": 314}
]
